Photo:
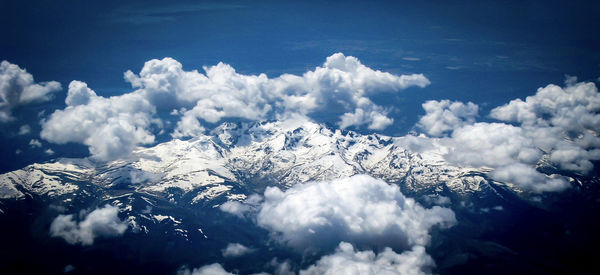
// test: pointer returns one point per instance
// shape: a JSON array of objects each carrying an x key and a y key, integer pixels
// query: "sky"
[
  {"x": 486, "y": 52},
  {"x": 505, "y": 87}
]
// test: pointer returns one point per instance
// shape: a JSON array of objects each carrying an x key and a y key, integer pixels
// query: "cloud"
[
  {"x": 506, "y": 148},
  {"x": 212, "y": 269},
  {"x": 526, "y": 177},
  {"x": 346, "y": 260},
  {"x": 236, "y": 250},
  {"x": 445, "y": 115},
  {"x": 491, "y": 145},
  {"x": 367, "y": 113},
  {"x": 17, "y": 87},
  {"x": 342, "y": 82},
  {"x": 102, "y": 222},
  {"x": 79, "y": 94},
  {"x": 556, "y": 125},
  {"x": 563, "y": 121},
  {"x": 251, "y": 204},
  {"x": 358, "y": 209},
  {"x": 24, "y": 130},
  {"x": 35, "y": 143},
  {"x": 111, "y": 127},
  {"x": 574, "y": 107}
]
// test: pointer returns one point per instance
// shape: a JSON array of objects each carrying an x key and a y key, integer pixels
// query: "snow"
[
  {"x": 211, "y": 193},
  {"x": 161, "y": 218},
  {"x": 275, "y": 153}
]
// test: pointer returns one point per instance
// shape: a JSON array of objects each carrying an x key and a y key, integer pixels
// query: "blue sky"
[{"x": 488, "y": 52}]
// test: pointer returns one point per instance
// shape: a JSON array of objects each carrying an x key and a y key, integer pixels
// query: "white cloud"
[
  {"x": 491, "y": 145},
  {"x": 563, "y": 121},
  {"x": 574, "y": 107},
  {"x": 236, "y": 250},
  {"x": 17, "y": 87},
  {"x": 557, "y": 124},
  {"x": 507, "y": 149},
  {"x": 111, "y": 127},
  {"x": 79, "y": 94},
  {"x": 240, "y": 209},
  {"x": 359, "y": 209},
  {"x": 24, "y": 130},
  {"x": 346, "y": 260},
  {"x": 342, "y": 82},
  {"x": 282, "y": 268},
  {"x": 102, "y": 222},
  {"x": 526, "y": 177},
  {"x": 445, "y": 115},
  {"x": 49, "y": 152},
  {"x": 366, "y": 113},
  {"x": 212, "y": 269},
  {"x": 35, "y": 143}
]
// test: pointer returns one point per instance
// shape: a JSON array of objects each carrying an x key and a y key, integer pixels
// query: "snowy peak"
[{"x": 236, "y": 159}]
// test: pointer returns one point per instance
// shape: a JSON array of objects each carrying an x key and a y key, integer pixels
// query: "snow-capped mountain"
[
  {"x": 235, "y": 160},
  {"x": 173, "y": 193}
]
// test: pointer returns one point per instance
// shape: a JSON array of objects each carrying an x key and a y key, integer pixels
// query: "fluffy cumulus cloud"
[
  {"x": 17, "y": 87},
  {"x": 236, "y": 250},
  {"x": 557, "y": 125},
  {"x": 444, "y": 116},
  {"x": 527, "y": 177},
  {"x": 346, "y": 260},
  {"x": 341, "y": 83},
  {"x": 359, "y": 209},
  {"x": 491, "y": 145},
  {"x": 508, "y": 150},
  {"x": 563, "y": 121},
  {"x": 242, "y": 208},
  {"x": 112, "y": 127},
  {"x": 102, "y": 222},
  {"x": 366, "y": 113}
]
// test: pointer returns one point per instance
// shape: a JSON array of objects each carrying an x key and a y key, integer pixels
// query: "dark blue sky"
[
  {"x": 96, "y": 42},
  {"x": 487, "y": 52}
]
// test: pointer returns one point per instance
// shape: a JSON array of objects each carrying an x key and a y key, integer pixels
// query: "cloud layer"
[
  {"x": 346, "y": 260},
  {"x": 212, "y": 269},
  {"x": 112, "y": 127},
  {"x": 358, "y": 209},
  {"x": 556, "y": 126},
  {"x": 236, "y": 250},
  {"x": 17, "y": 87},
  {"x": 445, "y": 115},
  {"x": 562, "y": 121},
  {"x": 102, "y": 222}
]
